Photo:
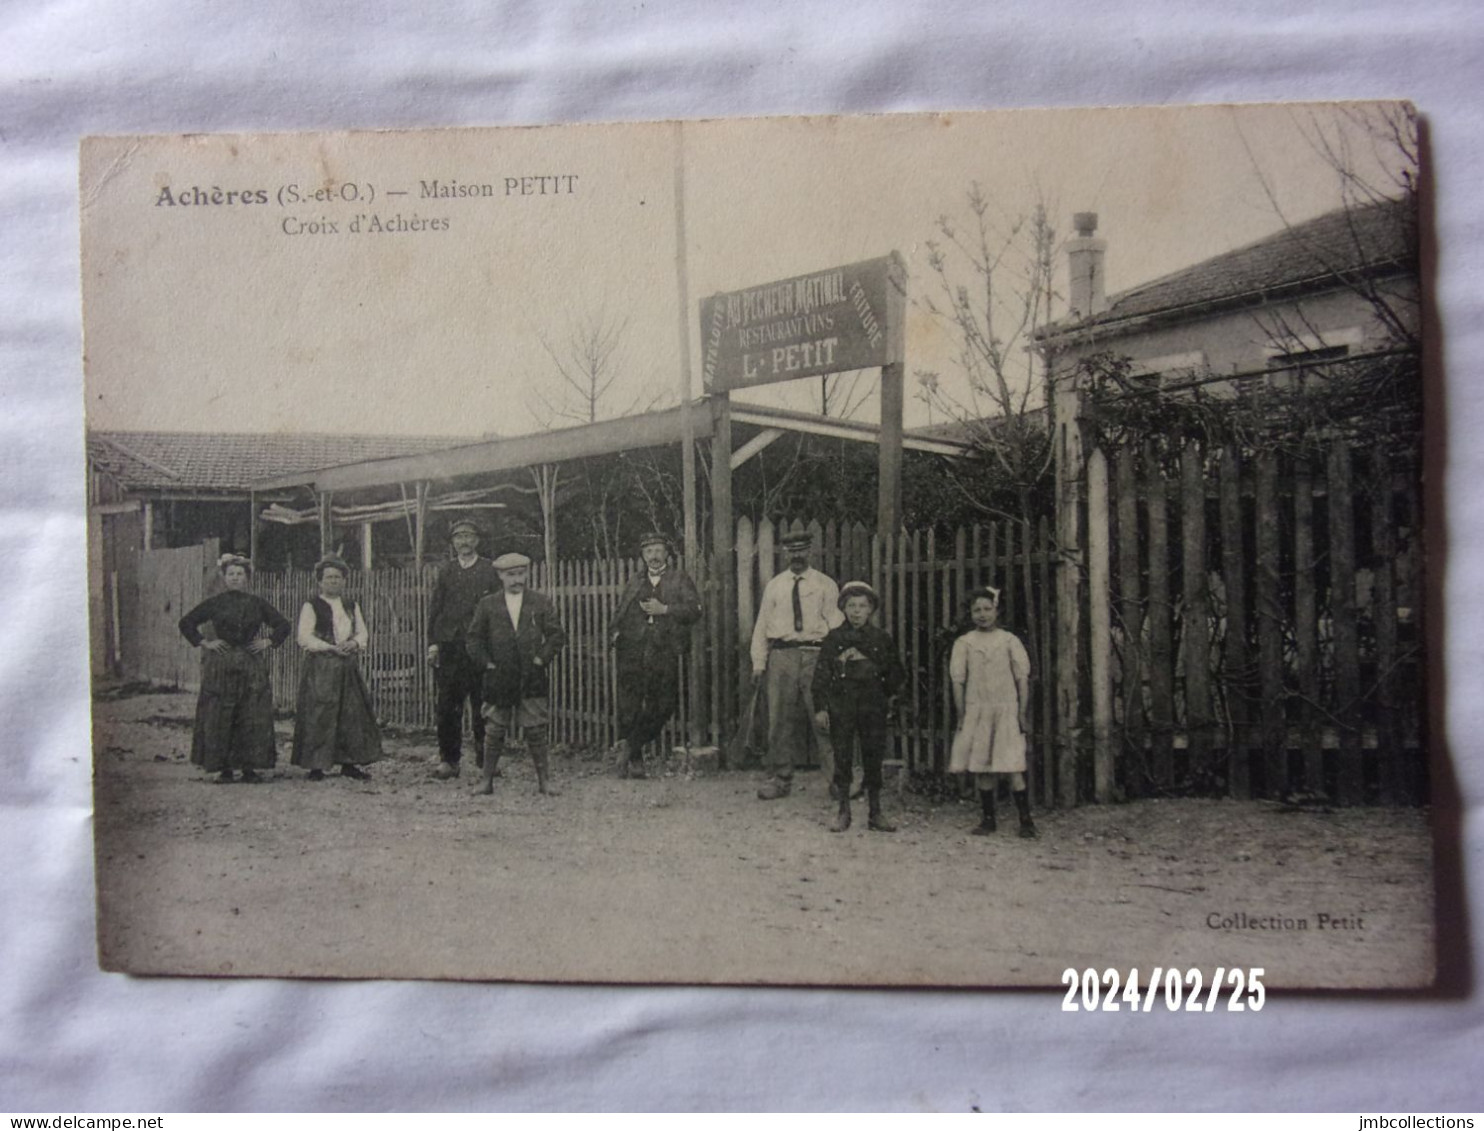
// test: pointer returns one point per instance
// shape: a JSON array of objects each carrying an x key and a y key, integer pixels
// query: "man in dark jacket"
[
  {"x": 513, "y": 638},
  {"x": 651, "y": 629},
  {"x": 855, "y": 679},
  {"x": 459, "y": 586}
]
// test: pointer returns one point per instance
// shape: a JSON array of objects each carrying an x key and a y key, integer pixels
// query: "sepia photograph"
[{"x": 919, "y": 550}]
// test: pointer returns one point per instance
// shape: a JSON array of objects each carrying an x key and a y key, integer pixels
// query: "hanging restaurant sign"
[{"x": 825, "y": 322}]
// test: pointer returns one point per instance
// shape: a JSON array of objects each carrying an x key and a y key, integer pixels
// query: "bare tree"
[
  {"x": 589, "y": 358},
  {"x": 992, "y": 279},
  {"x": 1374, "y": 151},
  {"x": 590, "y": 361}
]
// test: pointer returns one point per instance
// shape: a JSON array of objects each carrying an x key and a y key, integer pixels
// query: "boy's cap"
[{"x": 858, "y": 589}]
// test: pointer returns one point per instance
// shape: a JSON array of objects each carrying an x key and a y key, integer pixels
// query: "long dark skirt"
[
  {"x": 333, "y": 720},
  {"x": 234, "y": 712}
]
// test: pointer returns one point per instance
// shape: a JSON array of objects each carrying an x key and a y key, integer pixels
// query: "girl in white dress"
[{"x": 991, "y": 671}]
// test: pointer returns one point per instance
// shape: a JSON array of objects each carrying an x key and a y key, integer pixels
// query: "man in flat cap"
[
  {"x": 460, "y": 584},
  {"x": 651, "y": 629},
  {"x": 513, "y": 637},
  {"x": 797, "y": 611}
]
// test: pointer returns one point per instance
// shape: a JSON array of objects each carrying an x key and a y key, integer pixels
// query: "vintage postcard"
[{"x": 945, "y": 550}]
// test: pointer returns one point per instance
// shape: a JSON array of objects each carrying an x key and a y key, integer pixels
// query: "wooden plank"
[
  {"x": 1130, "y": 611},
  {"x": 1270, "y": 628},
  {"x": 953, "y": 598},
  {"x": 1041, "y": 681},
  {"x": 1413, "y": 719},
  {"x": 1383, "y": 619},
  {"x": 927, "y": 722},
  {"x": 1099, "y": 623},
  {"x": 1161, "y": 651},
  {"x": 1237, "y": 677},
  {"x": 1351, "y": 786},
  {"x": 1306, "y": 624},
  {"x": 1195, "y": 627},
  {"x": 909, "y": 555}
]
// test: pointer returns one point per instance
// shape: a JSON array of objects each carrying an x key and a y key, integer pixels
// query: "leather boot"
[
  {"x": 494, "y": 746},
  {"x": 874, "y": 819},
  {"x": 842, "y": 818},
  {"x": 536, "y": 741},
  {"x": 986, "y": 823},
  {"x": 1023, "y": 803}
]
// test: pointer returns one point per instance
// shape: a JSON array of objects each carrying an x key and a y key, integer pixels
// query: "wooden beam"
[
  {"x": 749, "y": 449},
  {"x": 648, "y": 430},
  {"x": 420, "y": 521}
]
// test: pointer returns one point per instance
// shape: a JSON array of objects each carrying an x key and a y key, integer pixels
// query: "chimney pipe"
[{"x": 1086, "y": 293}]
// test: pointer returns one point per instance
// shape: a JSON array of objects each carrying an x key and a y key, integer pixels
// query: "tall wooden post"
[
  {"x": 420, "y": 521},
  {"x": 1100, "y": 635},
  {"x": 252, "y": 528},
  {"x": 889, "y": 479},
  {"x": 1069, "y": 472},
  {"x": 688, "y": 440},
  {"x": 326, "y": 524},
  {"x": 723, "y": 577}
]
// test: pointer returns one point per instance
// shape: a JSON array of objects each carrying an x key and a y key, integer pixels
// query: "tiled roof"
[
  {"x": 216, "y": 461},
  {"x": 1347, "y": 240}
]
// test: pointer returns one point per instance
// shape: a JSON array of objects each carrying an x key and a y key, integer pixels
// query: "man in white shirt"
[{"x": 798, "y": 608}]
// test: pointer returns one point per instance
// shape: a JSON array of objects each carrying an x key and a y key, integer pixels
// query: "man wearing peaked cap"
[
  {"x": 513, "y": 638},
  {"x": 651, "y": 629},
  {"x": 798, "y": 608},
  {"x": 460, "y": 584}
]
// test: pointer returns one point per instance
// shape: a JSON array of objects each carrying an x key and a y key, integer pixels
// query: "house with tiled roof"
[
  {"x": 152, "y": 491},
  {"x": 184, "y": 487},
  {"x": 1272, "y": 312}
]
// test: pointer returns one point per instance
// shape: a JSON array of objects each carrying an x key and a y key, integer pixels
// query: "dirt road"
[{"x": 694, "y": 880}]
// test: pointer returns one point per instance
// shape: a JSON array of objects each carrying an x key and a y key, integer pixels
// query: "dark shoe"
[
  {"x": 486, "y": 790},
  {"x": 842, "y": 818},
  {"x": 316, "y": 775},
  {"x": 543, "y": 774},
  {"x": 875, "y": 821},
  {"x": 350, "y": 771},
  {"x": 1023, "y": 804},
  {"x": 985, "y": 826},
  {"x": 778, "y": 787},
  {"x": 250, "y": 777},
  {"x": 226, "y": 777},
  {"x": 446, "y": 770}
]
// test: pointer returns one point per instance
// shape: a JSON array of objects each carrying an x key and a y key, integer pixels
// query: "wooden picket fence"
[
  {"x": 1266, "y": 614},
  {"x": 1257, "y": 616},
  {"x": 923, "y": 580}
]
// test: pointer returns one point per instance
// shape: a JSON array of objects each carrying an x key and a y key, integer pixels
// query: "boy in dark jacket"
[
  {"x": 857, "y": 675},
  {"x": 513, "y": 638}
]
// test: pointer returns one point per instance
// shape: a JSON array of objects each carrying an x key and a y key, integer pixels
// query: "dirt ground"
[{"x": 692, "y": 879}]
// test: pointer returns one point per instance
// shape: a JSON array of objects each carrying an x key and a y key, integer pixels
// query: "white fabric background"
[{"x": 73, "y": 1039}]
